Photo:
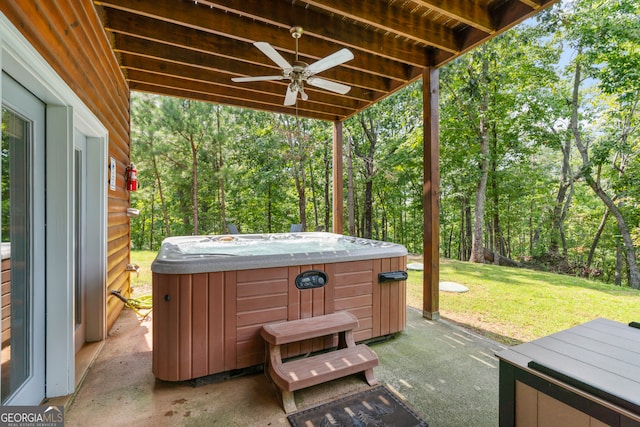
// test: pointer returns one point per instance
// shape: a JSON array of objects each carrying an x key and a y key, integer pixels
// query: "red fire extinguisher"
[{"x": 132, "y": 177}]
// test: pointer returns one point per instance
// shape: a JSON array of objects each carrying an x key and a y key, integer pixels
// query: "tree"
[
  {"x": 147, "y": 132},
  {"x": 606, "y": 40},
  {"x": 192, "y": 125},
  {"x": 294, "y": 132}
]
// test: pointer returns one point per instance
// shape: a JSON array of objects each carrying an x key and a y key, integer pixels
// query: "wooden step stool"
[{"x": 347, "y": 359}]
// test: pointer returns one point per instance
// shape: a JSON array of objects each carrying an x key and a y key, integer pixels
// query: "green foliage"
[{"x": 264, "y": 172}]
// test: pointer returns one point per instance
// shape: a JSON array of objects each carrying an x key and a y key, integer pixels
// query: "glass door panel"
[
  {"x": 22, "y": 240},
  {"x": 16, "y": 295}
]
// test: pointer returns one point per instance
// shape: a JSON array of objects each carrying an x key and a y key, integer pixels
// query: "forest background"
[{"x": 539, "y": 146}]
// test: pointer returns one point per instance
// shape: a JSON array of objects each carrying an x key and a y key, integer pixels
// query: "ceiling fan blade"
[
  {"x": 256, "y": 79},
  {"x": 328, "y": 85},
  {"x": 273, "y": 54},
  {"x": 337, "y": 58},
  {"x": 290, "y": 97}
]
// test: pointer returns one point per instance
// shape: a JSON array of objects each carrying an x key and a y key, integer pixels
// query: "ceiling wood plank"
[
  {"x": 466, "y": 12},
  {"x": 168, "y": 91},
  {"x": 534, "y": 4},
  {"x": 170, "y": 33},
  {"x": 151, "y": 65},
  {"x": 506, "y": 15},
  {"x": 231, "y": 24},
  {"x": 380, "y": 15},
  {"x": 513, "y": 12},
  {"x": 232, "y": 93},
  {"x": 192, "y": 49},
  {"x": 363, "y": 88}
]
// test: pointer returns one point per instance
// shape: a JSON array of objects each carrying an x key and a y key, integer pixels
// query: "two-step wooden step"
[{"x": 296, "y": 374}]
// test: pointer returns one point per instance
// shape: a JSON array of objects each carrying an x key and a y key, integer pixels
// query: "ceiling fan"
[{"x": 301, "y": 72}]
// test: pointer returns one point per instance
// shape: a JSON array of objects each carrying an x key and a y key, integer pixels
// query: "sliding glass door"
[{"x": 22, "y": 233}]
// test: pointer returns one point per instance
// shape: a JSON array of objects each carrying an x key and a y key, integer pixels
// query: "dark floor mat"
[{"x": 373, "y": 407}]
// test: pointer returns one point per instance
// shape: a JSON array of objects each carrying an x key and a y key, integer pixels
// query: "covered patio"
[
  {"x": 448, "y": 375},
  {"x": 196, "y": 49},
  {"x": 83, "y": 58}
]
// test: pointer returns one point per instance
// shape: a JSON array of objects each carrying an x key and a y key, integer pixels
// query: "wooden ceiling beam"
[
  {"x": 232, "y": 93},
  {"x": 192, "y": 49},
  {"x": 467, "y": 12},
  {"x": 368, "y": 85},
  {"x": 375, "y": 13},
  {"x": 533, "y": 4},
  {"x": 170, "y": 33},
  {"x": 506, "y": 15},
  {"x": 235, "y": 24},
  {"x": 255, "y": 105},
  {"x": 155, "y": 66},
  {"x": 512, "y": 12}
]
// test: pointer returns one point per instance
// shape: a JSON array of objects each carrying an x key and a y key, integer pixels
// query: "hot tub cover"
[{"x": 202, "y": 254}]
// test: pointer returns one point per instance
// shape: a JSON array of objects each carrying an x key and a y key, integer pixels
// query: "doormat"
[{"x": 376, "y": 406}]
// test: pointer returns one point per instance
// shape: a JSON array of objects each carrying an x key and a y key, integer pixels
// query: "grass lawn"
[
  {"x": 141, "y": 284},
  {"x": 513, "y": 305},
  {"x": 510, "y": 305}
]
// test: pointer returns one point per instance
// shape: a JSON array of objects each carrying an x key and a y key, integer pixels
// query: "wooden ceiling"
[{"x": 192, "y": 49}]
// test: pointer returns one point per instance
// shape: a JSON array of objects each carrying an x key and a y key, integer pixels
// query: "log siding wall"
[{"x": 69, "y": 36}]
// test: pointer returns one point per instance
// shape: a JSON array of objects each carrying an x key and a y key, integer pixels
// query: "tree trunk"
[
  {"x": 508, "y": 239},
  {"x": 269, "y": 210},
  {"x": 300, "y": 182},
  {"x": 153, "y": 218},
  {"x": 296, "y": 140},
  {"x": 498, "y": 239},
  {"x": 559, "y": 212},
  {"x": 350, "y": 195},
  {"x": 617, "y": 280},
  {"x": 462, "y": 246},
  {"x": 314, "y": 199},
  {"x": 634, "y": 277},
  {"x": 497, "y": 259},
  {"x": 194, "y": 177},
  {"x": 596, "y": 239},
  {"x": 368, "y": 209},
  {"x": 477, "y": 245},
  {"x": 369, "y": 173},
  {"x": 565, "y": 210},
  {"x": 223, "y": 204},
  {"x": 165, "y": 214},
  {"x": 327, "y": 179},
  {"x": 531, "y": 227}
]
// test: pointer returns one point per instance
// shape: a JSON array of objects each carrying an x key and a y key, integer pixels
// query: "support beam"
[
  {"x": 338, "y": 193},
  {"x": 431, "y": 194}
]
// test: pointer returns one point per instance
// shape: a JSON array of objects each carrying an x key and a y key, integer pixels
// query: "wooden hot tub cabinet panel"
[{"x": 207, "y": 323}]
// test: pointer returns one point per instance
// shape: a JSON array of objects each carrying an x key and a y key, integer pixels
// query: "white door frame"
[
  {"x": 21, "y": 102},
  {"x": 65, "y": 113}
]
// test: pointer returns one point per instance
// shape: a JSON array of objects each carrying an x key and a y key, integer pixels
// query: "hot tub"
[{"x": 212, "y": 294}]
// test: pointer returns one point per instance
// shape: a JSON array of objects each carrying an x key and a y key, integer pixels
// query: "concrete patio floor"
[{"x": 447, "y": 374}]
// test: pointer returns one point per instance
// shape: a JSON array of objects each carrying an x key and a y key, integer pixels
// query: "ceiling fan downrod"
[{"x": 296, "y": 33}]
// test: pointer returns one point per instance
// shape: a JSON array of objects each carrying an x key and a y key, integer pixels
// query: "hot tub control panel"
[{"x": 311, "y": 279}]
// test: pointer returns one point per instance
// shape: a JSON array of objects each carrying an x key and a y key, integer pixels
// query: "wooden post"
[
  {"x": 338, "y": 193},
  {"x": 431, "y": 194}
]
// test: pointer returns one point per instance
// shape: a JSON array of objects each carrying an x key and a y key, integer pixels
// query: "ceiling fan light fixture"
[
  {"x": 303, "y": 94},
  {"x": 301, "y": 72}
]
